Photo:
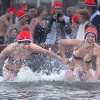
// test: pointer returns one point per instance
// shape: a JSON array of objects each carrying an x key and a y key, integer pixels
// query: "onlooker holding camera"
[{"x": 59, "y": 25}]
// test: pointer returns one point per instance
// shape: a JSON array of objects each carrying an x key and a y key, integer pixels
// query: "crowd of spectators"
[{"x": 49, "y": 29}]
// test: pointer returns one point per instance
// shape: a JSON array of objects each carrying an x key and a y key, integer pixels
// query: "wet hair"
[
  {"x": 85, "y": 13},
  {"x": 40, "y": 9},
  {"x": 24, "y": 41}
]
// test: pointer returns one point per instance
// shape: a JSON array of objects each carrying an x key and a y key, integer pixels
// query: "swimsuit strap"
[
  {"x": 79, "y": 46},
  {"x": 74, "y": 52}
]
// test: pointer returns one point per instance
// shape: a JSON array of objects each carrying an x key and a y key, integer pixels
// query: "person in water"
[
  {"x": 16, "y": 54},
  {"x": 80, "y": 64}
]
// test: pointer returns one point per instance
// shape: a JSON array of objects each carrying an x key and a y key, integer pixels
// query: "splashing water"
[
  {"x": 46, "y": 82},
  {"x": 27, "y": 75},
  {"x": 40, "y": 68}
]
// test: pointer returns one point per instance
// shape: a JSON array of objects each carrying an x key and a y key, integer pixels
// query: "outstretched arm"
[
  {"x": 4, "y": 53},
  {"x": 39, "y": 49},
  {"x": 63, "y": 43},
  {"x": 62, "y": 46}
]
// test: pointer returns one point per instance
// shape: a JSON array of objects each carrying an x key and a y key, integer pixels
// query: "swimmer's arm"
[
  {"x": 4, "y": 54},
  {"x": 62, "y": 48},
  {"x": 39, "y": 49},
  {"x": 64, "y": 43}
]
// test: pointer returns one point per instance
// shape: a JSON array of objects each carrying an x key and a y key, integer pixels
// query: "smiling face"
[
  {"x": 14, "y": 33},
  {"x": 32, "y": 12},
  {"x": 44, "y": 12},
  {"x": 25, "y": 45},
  {"x": 90, "y": 39}
]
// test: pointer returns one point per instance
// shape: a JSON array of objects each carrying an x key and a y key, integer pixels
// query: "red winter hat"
[
  {"x": 21, "y": 14},
  {"x": 91, "y": 29},
  {"x": 24, "y": 7},
  {"x": 12, "y": 9},
  {"x": 51, "y": 10},
  {"x": 25, "y": 35},
  {"x": 57, "y": 4},
  {"x": 75, "y": 18},
  {"x": 90, "y": 3}
]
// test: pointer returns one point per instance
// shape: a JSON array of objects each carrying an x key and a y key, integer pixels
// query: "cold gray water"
[
  {"x": 46, "y": 81},
  {"x": 50, "y": 90}
]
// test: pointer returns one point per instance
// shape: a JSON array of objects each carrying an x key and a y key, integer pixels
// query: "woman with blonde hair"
[
  {"x": 38, "y": 24},
  {"x": 84, "y": 16}
]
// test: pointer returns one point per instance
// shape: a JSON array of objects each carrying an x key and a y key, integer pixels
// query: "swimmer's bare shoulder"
[
  {"x": 7, "y": 51},
  {"x": 11, "y": 46},
  {"x": 33, "y": 47}
]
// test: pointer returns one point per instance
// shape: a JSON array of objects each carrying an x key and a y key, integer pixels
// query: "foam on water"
[
  {"x": 1, "y": 79},
  {"x": 26, "y": 74}
]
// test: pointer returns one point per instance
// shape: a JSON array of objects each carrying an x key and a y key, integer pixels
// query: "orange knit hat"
[
  {"x": 25, "y": 35},
  {"x": 91, "y": 29},
  {"x": 90, "y": 3},
  {"x": 75, "y": 18},
  {"x": 21, "y": 14}
]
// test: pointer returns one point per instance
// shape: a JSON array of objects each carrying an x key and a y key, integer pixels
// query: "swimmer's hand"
[{"x": 65, "y": 61}]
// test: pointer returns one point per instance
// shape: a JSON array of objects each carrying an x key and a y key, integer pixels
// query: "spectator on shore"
[
  {"x": 59, "y": 25},
  {"x": 24, "y": 7},
  {"x": 12, "y": 36},
  {"x": 38, "y": 25},
  {"x": 84, "y": 16},
  {"x": 5, "y": 21},
  {"x": 70, "y": 11},
  {"x": 75, "y": 25},
  {"x": 22, "y": 19},
  {"x": 31, "y": 12}
]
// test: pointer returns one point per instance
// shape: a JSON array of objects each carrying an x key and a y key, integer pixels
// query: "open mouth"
[{"x": 90, "y": 42}]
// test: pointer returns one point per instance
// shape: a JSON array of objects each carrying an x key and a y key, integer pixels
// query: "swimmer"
[
  {"x": 16, "y": 54},
  {"x": 83, "y": 53}
]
